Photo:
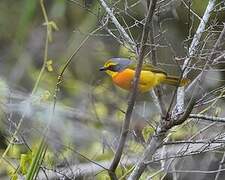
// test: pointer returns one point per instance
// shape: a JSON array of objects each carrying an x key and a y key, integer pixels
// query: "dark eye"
[{"x": 113, "y": 68}]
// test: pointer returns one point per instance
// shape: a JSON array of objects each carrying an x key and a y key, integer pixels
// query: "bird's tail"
[{"x": 174, "y": 81}]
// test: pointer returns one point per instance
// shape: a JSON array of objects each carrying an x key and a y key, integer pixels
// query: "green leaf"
[
  {"x": 147, "y": 131},
  {"x": 49, "y": 65}
]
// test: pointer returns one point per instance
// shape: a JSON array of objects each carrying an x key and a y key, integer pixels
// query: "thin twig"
[
  {"x": 42, "y": 148},
  {"x": 69, "y": 60},
  {"x": 194, "y": 13},
  {"x": 197, "y": 171},
  {"x": 211, "y": 58},
  {"x": 220, "y": 167},
  {"x": 158, "y": 90},
  {"x": 207, "y": 118},
  {"x": 118, "y": 26},
  {"x": 77, "y": 170}
]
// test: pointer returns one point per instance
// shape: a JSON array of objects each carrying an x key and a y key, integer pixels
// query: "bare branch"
[
  {"x": 158, "y": 90},
  {"x": 118, "y": 26},
  {"x": 182, "y": 149},
  {"x": 194, "y": 13},
  {"x": 220, "y": 167},
  {"x": 81, "y": 170},
  {"x": 212, "y": 58},
  {"x": 192, "y": 49},
  {"x": 207, "y": 118}
]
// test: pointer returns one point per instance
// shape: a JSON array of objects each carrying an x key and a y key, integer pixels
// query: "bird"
[{"x": 122, "y": 72}]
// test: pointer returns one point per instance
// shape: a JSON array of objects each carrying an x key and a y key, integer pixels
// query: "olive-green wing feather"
[{"x": 148, "y": 67}]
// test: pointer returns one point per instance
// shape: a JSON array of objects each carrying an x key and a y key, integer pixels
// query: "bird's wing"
[{"x": 148, "y": 67}]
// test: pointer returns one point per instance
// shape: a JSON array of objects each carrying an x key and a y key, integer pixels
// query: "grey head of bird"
[{"x": 116, "y": 64}]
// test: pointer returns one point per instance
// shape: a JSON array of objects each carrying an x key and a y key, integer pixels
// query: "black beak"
[{"x": 102, "y": 68}]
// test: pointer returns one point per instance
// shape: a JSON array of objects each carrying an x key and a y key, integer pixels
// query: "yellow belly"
[{"x": 147, "y": 81}]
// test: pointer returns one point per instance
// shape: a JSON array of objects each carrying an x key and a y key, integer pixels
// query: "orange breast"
[
  {"x": 124, "y": 78},
  {"x": 147, "y": 81}
]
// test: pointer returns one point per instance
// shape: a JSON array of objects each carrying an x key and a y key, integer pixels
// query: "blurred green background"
[{"x": 89, "y": 109}]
